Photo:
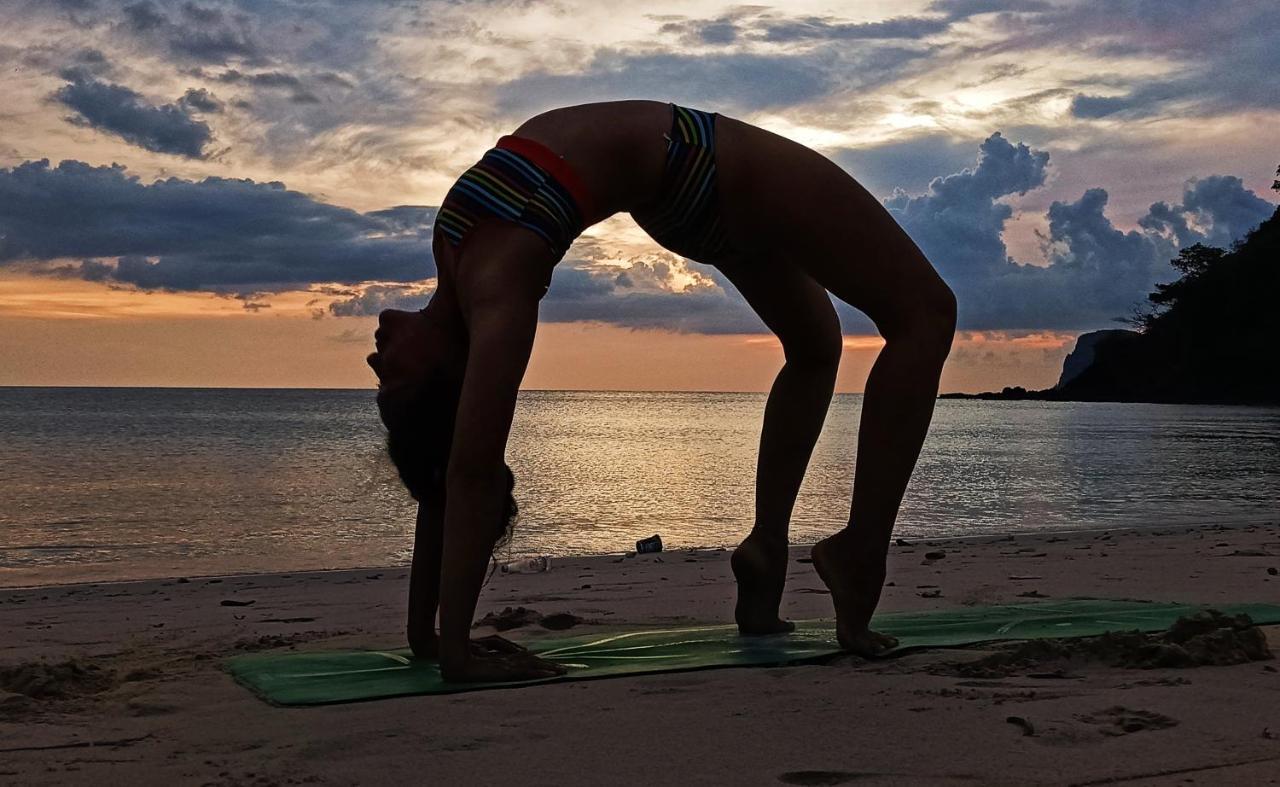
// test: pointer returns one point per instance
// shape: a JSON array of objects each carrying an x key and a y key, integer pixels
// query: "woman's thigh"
[{"x": 789, "y": 202}]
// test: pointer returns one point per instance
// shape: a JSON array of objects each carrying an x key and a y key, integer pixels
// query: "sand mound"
[
  {"x": 509, "y": 619},
  {"x": 1207, "y": 638},
  {"x": 43, "y": 680}
]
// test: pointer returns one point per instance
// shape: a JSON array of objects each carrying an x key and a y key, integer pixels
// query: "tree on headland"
[{"x": 1210, "y": 336}]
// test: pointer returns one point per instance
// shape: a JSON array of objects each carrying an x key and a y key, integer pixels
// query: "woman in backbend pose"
[{"x": 783, "y": 223}]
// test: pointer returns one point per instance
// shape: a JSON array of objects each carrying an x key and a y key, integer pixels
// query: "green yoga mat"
[{"x": 320, "y": 678}]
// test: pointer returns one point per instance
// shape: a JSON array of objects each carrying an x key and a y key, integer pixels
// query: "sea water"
[{"x": 100, "y": 484}]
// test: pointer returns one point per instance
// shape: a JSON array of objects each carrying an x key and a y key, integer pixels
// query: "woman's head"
[{"x": 420, "y": 360}]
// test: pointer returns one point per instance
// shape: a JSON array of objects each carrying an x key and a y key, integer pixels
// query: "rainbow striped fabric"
[
  {"x": 507, "y": 184},
  {"x": 685, "y": 217}
]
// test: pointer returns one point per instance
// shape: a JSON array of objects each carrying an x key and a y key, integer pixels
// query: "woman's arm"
[
  {"x": 501, "y": 322},
  {"x": 424, "y": 576}
]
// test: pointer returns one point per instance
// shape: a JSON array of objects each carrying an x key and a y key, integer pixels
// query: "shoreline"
[
  {"x": 930, "y": 540},
  {"x": 124, "y": 683}
]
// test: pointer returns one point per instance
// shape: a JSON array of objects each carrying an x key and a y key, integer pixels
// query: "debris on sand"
[
  {"x": 937, "y": 554},
  {"x": 510, "y": 618},
  {"x": 45, "y": 680},
  {"x": 1018, "y": 721},
  {"x": 1207, "y": 638}
]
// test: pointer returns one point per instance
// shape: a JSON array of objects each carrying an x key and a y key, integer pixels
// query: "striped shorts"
[
  {"x": 685, "y": 217},
  {"x": 520, "y": 181}
]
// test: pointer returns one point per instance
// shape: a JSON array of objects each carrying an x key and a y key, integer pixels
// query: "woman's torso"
[{"x": 616, "y": 148}]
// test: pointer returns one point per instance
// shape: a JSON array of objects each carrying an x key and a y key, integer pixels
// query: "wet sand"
[{"x": 120, "y": 682}]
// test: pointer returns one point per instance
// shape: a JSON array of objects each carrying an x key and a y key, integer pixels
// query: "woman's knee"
[
  {"x": 931, "y": 318},
  {"x": 819, "y": 349}
]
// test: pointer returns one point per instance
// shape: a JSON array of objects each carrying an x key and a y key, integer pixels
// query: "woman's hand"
[{"x": 491, "y": 666}]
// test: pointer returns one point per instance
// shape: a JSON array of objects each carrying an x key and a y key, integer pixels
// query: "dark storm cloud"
[
  {"x": 215, "y": 234},
  {"x": 115, "y": 109}
]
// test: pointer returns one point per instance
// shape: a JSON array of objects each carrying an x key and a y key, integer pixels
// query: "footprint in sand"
[{"x": 1119, "y": 720}]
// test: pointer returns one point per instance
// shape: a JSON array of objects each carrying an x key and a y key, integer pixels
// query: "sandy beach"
[{"x": 120, "y": 683}]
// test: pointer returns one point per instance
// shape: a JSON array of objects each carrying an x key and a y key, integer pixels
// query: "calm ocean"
[{"x": 99, "y": 484}]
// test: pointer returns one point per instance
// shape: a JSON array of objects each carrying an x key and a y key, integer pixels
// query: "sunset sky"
[{"x": 224, "y": 193}]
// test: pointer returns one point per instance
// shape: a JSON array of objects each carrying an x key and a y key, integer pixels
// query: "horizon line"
[{"x": 4, "y": 387}]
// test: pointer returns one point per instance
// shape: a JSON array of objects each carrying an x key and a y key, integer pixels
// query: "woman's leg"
[
  {"x": 859, "y": 253},
  {"x": 797, "y": 205},
  {"x": 799, "y": 311}
]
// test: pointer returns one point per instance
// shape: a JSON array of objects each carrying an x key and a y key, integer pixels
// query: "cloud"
[
  {"x": 205, "y": 34},
  {"x": 298, "y": 93},
  {"x": 1219, "y": 203},
  {"x": 250, "y": 238},
  {"x": 963, "y": 9},
  {"x": 958, "y": 221},
  {"x": 374, "y": 298},
  {"x": 1095, "y": 272},
  {"x": 638, "y": 296},
  {"x": 117, "y": 110},
  {"x": 200, "y": 100},
  {"x": 909, "y": 164},
  {"x": 723, "y": 30},
  {"x": 755, "y": 23},
  {"x": 216, "y": 234},
  {"x": 1219, "y": 61},
  {"x": 827, "y": 29},
  {"x": 741, "y": 80}
]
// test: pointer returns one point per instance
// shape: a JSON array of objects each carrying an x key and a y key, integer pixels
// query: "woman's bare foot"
[
  {"x": 424, "y": 644},
  {"x": 760, "y": 567},
  {"x": 855, "y": 591}
]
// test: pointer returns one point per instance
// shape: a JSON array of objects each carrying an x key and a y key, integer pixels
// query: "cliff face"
[{"x": 1085, "y": 352}]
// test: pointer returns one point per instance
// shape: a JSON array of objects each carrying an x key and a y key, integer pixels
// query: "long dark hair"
[{"x": 419, "y": 436}]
